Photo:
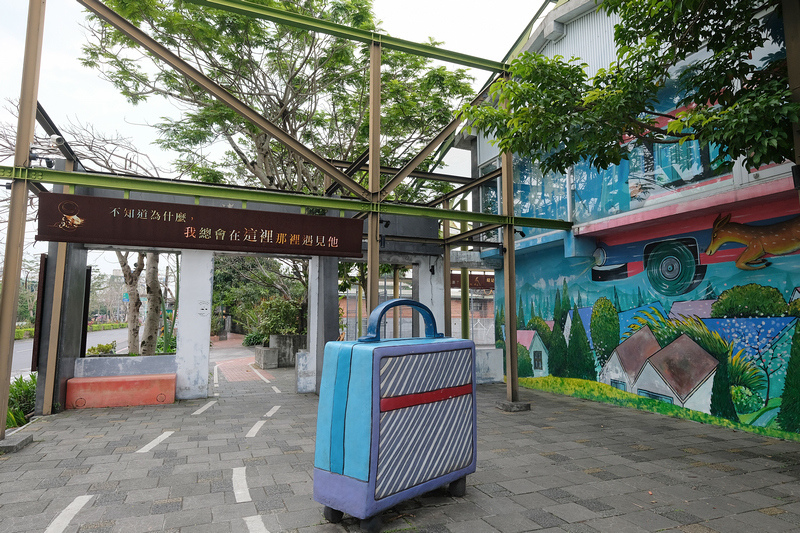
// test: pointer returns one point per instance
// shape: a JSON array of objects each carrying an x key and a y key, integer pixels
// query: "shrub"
[
  {"x": 255, "y": 339},
  {"x": 21, "y": 400},
  {"x": 604, "y": 327},
  {"x": 18, "y": 334},
  {"x": 746, "y": 401},
  {"x": 103, "y": 349}
]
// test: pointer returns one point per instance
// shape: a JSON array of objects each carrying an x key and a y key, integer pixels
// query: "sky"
[{"x": 70, "y": 92}]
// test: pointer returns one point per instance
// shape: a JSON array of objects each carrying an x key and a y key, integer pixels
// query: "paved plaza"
[{"x": 242, "y": 461}]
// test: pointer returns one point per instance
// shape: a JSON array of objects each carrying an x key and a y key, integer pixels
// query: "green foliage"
[
  {"x": 18, "y": 334},
  {"x": 22, "y": 393},
  {"x": 538, "y": 325},
  {"x": 520, "y": 315},
  {"x": 794, "y": 308},
  {"x": 102, "y": 349},
  {"x": 313, "y": 86},
  {"x": 746, "y": 400},
  {"x": 701, "y": 57},
  {"x": 600, "y": 392},
  {"x": 580, "y": 360},
  {"x": 557, "y": 358},
  {"x": 604, "y": 327},
  {"x": 166, "y": 344},
  {"x": 273, "y": 316},
  {"x": 524, "y": 363},
  {"x": 21, "y": 400},
  {"x": 255, "y": 339},
  {"x": 743, "y": 373},
  {"x": 789, "y": 416},
  {"x": 749, "y": 301}
]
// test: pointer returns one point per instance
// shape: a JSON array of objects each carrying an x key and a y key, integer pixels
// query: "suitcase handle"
[{"x": 375, "y": 317}]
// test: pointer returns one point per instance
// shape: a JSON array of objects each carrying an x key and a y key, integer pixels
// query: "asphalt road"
[{"x": 21, "y": 360}]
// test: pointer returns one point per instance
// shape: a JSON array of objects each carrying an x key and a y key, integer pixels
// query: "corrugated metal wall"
[{"x": 589, "y": 37}]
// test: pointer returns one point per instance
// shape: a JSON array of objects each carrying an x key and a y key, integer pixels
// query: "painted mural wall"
[{"x": 701, "y": 314}]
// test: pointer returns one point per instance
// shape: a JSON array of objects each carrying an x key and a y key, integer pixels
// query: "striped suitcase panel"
[
  {"x": 423, "y": 442},
  {"x": 424, "y": 372}
]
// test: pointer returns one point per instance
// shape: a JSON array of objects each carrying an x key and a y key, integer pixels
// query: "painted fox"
[{"x": 776, "y": 239}]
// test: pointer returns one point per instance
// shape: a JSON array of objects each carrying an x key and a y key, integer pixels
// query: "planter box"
[
  {"x": 266, "y": 357},
  {"x": 288, "y": 346},
  {"x": 90, "y": 367}
]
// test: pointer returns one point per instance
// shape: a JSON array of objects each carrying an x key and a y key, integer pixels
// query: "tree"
[
  {"x": 789, "y": 415},
  {"x": 604, "y": 327},
  {"x": 557, "y": 358},
  {"x": 558, "y": 311},
  {"x": 748, "y": 301},
  {"x": 520, "y": 315},
  {"x": 705, "y": 58},
  {"x": 580, "y": 360},
  {"x": 524, "y": 364},
  {"x": 313, "y": 86},
  {"x": 538, "y": 325},
  {"x": 151, "y": 319}
]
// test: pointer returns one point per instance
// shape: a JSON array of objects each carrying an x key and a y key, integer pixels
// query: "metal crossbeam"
[
  {"x": 338, "y": 30},
  {"x": 248, "y": 194}
]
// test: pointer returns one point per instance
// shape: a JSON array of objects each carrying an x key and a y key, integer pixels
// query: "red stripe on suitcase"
[{"x": 410, "y": 400}]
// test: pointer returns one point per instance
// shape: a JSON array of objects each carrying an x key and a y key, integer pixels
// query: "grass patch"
[{"x": 600, "y": 392}]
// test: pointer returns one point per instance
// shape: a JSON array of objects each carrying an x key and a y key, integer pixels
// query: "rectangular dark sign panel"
[
  {"x": 95, "y": 220},
  {"x": 476, "y": 281}
]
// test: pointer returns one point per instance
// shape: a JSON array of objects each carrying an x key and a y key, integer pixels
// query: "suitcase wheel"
[
  {"x": 332, "y": 515},
  {"x": 372, "y": 524},
  {"x": 458, "y": 488}
]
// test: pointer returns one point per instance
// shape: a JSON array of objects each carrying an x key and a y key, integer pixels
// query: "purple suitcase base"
[{"x": 355, "y": 497}]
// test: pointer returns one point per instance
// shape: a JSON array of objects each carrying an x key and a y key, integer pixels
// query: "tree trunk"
[
  {"x": 151, "y": 322},
  {"x": 131, "y": 276}
]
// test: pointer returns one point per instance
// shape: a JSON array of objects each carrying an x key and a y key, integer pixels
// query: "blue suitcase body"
[{"x": 396, "y": 417}]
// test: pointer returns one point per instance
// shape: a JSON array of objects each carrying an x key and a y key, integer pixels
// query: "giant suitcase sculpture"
[{"x": 396, "y": 418}]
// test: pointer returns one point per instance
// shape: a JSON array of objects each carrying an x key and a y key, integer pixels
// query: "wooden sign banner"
[{"x": 97, "y": 220}]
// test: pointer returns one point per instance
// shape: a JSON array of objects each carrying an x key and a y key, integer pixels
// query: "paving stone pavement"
[{"x": 244, "y": 463}]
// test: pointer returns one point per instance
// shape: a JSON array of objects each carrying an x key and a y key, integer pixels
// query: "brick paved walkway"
[{"x": 242, "y": 462}]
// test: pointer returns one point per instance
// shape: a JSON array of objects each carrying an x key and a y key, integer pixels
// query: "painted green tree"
[
  {"x": 558, "y": 310},
  {"x": 789, "y": 415},
  {"x": 580, "y": 360},
  {"x": 538, "y": 325},
  {"x": 604, "y": 327},
  {"x": 616, "y": 301},
  {"x": 558, "y": 352},
  {"x": 748, "y": 301},
  {"x": 520, "y": 315},
  {"x": 524, "y": 364}
]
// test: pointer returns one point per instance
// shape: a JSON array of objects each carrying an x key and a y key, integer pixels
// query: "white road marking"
[
  {"x": 206, "y": 406},
  {"x": 155, "y": 442},
  {"x": 216, "y": 394},
  {"x": 255, "y": 524},
  {"x": 258, "y": 373},
  {"x": 272, "y": 411},
  {"x": 276, "y": 389},
  {"x": 216, "y": 375},
  {"x": 240, "y": 490},
  {"x": 63, "y": 519},
  {"x": 254, "y": 430}
]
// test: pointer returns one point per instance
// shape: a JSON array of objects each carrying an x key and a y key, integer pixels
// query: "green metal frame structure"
[{"x": 369, "y": 201}]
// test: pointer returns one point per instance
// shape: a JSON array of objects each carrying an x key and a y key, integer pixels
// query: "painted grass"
[{"x": 600, "y": 392}]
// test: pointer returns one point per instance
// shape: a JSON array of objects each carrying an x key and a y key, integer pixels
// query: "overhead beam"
[
  {"x": 419, "y": 174},
  {"x": 224, "y": 96},
  {"x": 363, "y": 36},
  {"x": 467, "y": 235},
  {"x": 466, "y": 188},
  {"x": 207, "y": 190}
]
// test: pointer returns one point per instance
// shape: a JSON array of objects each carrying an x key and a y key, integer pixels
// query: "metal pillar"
[
  {"x": 396, "y": 310},
  {"x": 373, "y": 262},
  {"x": 465, "y": 318},
  {"x": 15, "y": 236},
  {"x": 512, "y": 387},
  {"x": 448, "y": 303}
]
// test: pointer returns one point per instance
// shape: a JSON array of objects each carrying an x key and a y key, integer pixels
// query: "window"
[
  {"x": 617, "y": 384},
  {"x": 537, "y": 359},
  {"x": 654, "y": 395}
]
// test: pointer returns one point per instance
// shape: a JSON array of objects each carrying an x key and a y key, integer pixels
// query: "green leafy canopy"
[{"x": 707, "y": 70}]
